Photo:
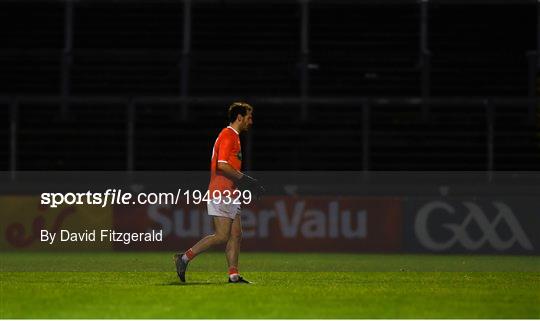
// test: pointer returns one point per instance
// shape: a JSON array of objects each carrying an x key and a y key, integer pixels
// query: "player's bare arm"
[{"x": 229, "y": 172}]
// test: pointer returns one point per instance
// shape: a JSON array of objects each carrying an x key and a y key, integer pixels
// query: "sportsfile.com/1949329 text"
[{"x": 120, "y": 197}]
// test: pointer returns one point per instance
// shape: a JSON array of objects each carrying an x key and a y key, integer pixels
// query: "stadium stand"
[
  {"x": 252, "y": 50},
  {"x": 31, "y": 49},
  {"x": 239, "y": 49},
  {"x": 4, "y": 136},
  {"x": 484, "y": 56},
  {"x": 130, "y": 49},
  {"x": 363, "y": 55},
  {"x": 92, "y": 137}
]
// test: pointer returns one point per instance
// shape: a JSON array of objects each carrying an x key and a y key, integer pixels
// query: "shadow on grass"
[{"x": 178, "y": 283}]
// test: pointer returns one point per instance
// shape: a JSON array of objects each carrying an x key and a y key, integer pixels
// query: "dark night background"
[{"x": 336, "y": 85}]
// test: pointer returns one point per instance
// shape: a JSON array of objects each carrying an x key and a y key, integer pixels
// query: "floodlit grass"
[{"x": 144, "y": 285}]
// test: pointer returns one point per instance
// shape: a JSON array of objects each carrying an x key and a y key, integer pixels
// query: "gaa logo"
[{"x": 460, "y": 232}]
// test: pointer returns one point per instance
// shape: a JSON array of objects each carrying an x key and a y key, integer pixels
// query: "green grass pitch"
[{"x": 287, "y": 285}]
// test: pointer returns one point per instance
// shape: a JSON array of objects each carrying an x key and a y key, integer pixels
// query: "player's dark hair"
[{"x": 238, "y": 108}]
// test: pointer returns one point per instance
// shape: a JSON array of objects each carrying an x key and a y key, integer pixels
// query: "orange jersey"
[{"x": 227, "y": 149}]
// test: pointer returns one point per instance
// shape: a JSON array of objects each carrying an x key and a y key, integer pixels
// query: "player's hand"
[{"x": 249, "y": 183}]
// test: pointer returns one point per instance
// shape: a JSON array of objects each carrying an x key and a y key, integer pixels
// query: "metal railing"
[{"x": 366, "y": 104}]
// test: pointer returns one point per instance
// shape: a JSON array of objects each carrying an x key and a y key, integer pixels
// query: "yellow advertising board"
[{"x": 28, "y": 225}]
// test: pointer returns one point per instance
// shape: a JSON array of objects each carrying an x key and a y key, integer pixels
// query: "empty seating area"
[
  {"x": 239, "y": 49},
  {"x": 87, "y": 137},
  {"x": 364, "y": 50},
  {"x": 476, "y": 51},
  {"x": 31, "y": 49},
  {"x": 259, "y": 51}
]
